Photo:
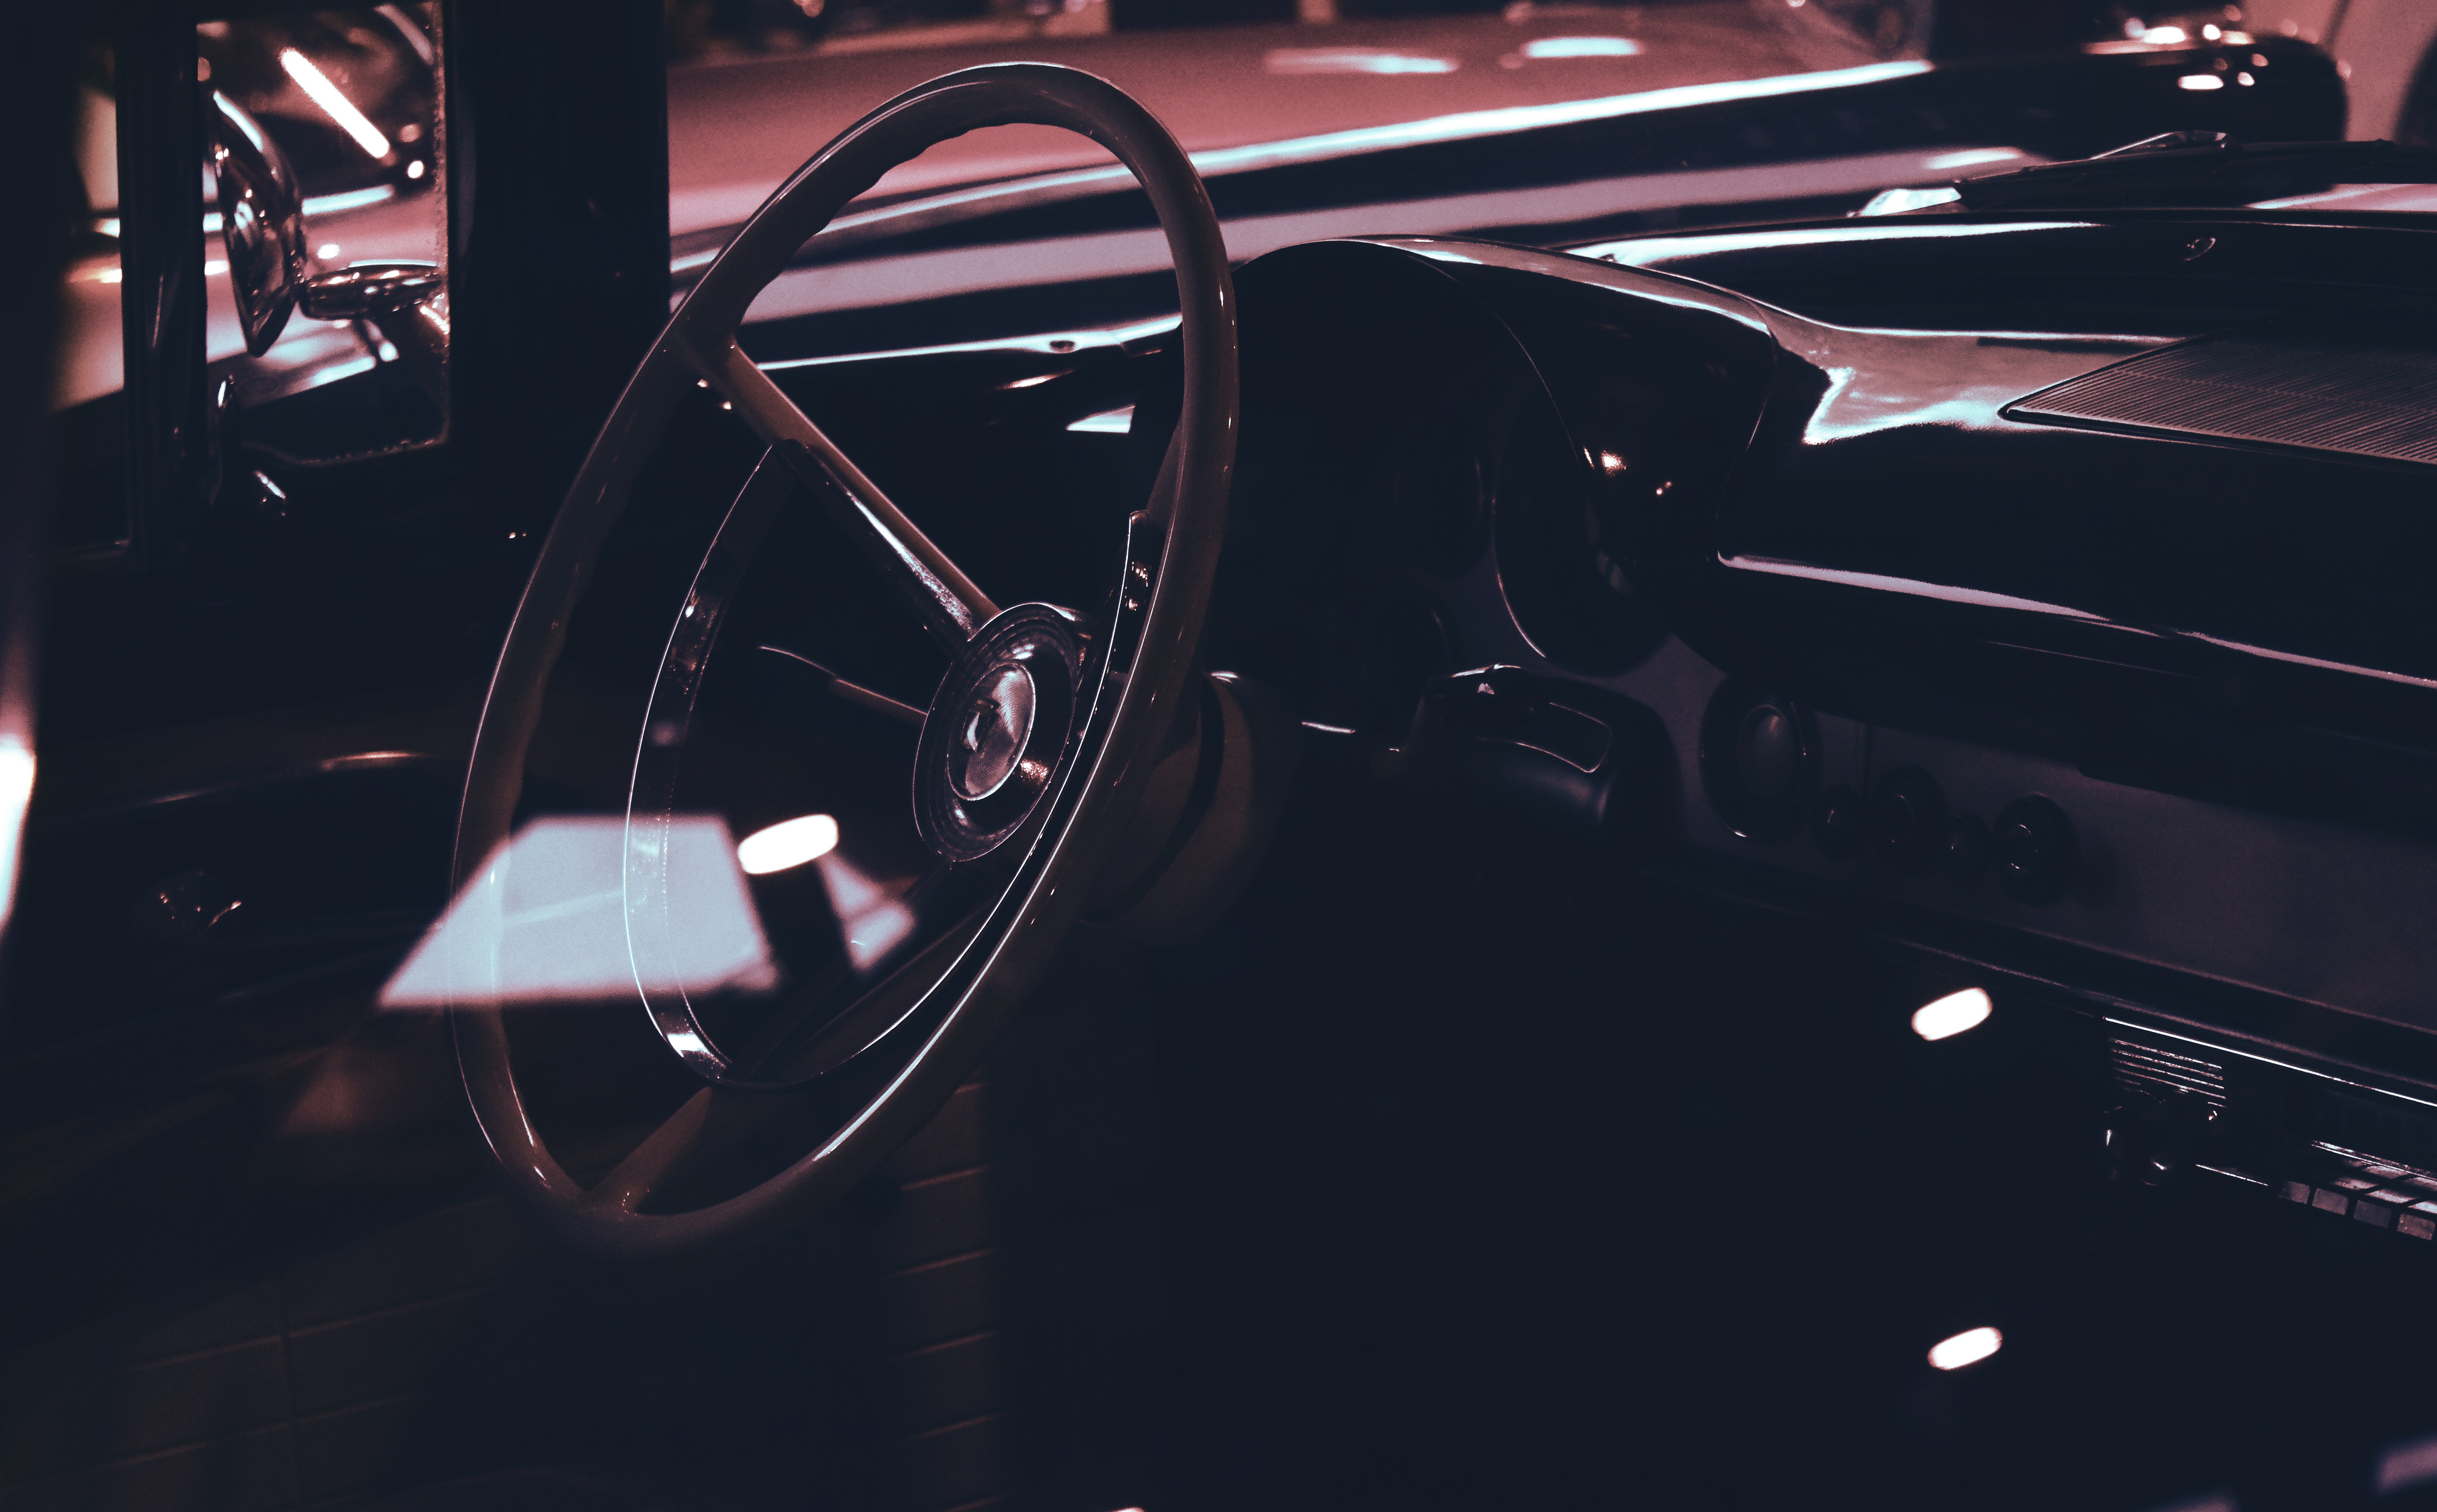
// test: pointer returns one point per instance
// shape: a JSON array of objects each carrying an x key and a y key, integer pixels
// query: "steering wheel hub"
[{"x": 996, "y": 731}]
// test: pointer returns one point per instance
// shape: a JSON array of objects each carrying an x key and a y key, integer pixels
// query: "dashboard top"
[{"x": 1951, "y": 600}]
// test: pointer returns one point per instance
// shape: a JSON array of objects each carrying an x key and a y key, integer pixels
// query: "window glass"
[
  {"x": 347, "y": 103},
  {"x": 344, "y": 106}
]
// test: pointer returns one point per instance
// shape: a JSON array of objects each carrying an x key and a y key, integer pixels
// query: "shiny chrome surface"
[
  {"x": 262, "y": 223},
  {"x": 952, "y": 606},
  {"x": 998, "y": 728},
  {"x": 407, "y": 302},
  {"x": 370, "y": 291}
]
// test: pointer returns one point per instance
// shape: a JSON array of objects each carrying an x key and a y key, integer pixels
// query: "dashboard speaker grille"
[
  {"x": 2154, "y": 1070},
  {"x": 2358, "y": 398}
]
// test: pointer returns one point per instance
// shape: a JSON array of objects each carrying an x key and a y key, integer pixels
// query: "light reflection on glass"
[
  {"x": 1952, "y": 1014},
  {"x": 544, "y": 922},
  {"x": 790, "y": 843},
  {"x": 2401, "y": 1467},
  {"x": 870, "y": 918},
  {"x": 318, "y": 88},
  {"x": 1977, "y": 156},
  {"x": 1581, "y": 47},
  {"x": 16, "y": 791},
  {"x": 1969, "y": 1347},
  {"x": 1107, "y": 423},
  {"x": 1895, "y": 202},
  {"x": 1351, "y": 61}
]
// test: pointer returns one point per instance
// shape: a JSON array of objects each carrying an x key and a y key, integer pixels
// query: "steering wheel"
[{"x": 1045, "y": 771}]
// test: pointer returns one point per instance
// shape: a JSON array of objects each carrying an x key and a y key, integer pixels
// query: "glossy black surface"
[{"x": 2183, "y": 643}]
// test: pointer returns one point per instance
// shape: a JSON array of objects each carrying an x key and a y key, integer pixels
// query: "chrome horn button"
[
  {"x": 997, "y": 730},
  {"x": 996, "y": 727}
]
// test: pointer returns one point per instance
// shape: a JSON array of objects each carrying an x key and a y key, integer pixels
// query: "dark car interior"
[{"x": 1764, "y": 856}]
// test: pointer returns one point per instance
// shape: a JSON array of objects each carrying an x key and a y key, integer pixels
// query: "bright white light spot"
[
  {"x": 2200, "y": 81},
  {"x": 687, "y": 1043},
  {"x": 215, "y": 268},
  {"x": 2211, "y": 33},
  {"x": 335, "y": 105},
  {"x": 1952, "y": 1014},
  {"x": 1351, "y": 61},
  {"x": 2165, "y": 35},
  {"x": 388, "y": 352},
  {"x": 414, "y": 170},
  {"x": 1895, "y": 202},
  {"x": 1974, "y": 157},
  {"x": 790, "y": 843},
  {"x": 1581, "y": 47},
  {"x": 1969, "y": 1347},
  {"x": 2242, "y": 79},
  {"x": 1107, "y": 423},
  {"x": 16, "y": 790}
]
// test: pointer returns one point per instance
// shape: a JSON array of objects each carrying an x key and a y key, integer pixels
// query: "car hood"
[{"x": 737, "y": 129}]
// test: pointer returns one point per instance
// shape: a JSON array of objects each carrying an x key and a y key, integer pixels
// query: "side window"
[
  {"x": 322, "y": 255},
  {"x": 326, "y": 242}
]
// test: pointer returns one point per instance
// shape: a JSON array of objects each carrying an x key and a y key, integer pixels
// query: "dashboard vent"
[
  {"x": 2158, "y": 1071},
  {"x": 2359, "y": 399}
]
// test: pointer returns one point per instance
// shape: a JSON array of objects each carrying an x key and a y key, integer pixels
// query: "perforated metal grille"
[
  {"x": 2156, "y": 1070},
  {"x": 2358, "y": 398}
]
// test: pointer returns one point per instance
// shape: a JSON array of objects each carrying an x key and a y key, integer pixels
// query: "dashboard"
[{"x": 2029, "y": 601}]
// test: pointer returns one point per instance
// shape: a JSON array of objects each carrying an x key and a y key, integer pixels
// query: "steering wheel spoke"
[{"x": 951, "y": 606}]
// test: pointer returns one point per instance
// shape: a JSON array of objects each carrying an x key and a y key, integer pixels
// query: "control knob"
[
  {"x": 1838, "y": 825},
  {"x": 1907, "y": 818},
  {"x": 2035, "y": 850}
]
